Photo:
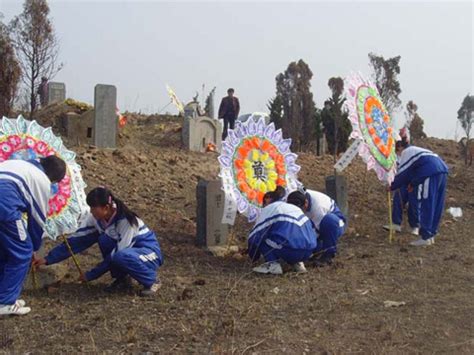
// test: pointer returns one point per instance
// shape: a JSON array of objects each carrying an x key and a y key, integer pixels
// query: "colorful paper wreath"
[
  {"x": 371, "y": 123},
  {"x": 25, "y": 140},
  {"x": 256, "y": 159}
]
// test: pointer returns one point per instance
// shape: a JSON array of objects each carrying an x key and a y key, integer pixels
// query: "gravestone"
[
  {"x": 210, "y": 232},
  {"x": 322, "y": 145},
  {"x": 198, "y": 131},
  {"x": 56, "y": 92},
  {"x": 210, "y": 104},
  {"x": 105, "y": 117},
  {"x": 79, "y": 129},
  {"x": 336, "y": 188}
]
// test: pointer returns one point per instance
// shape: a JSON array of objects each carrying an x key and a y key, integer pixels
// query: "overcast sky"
[{"x": 142, "y": 46}]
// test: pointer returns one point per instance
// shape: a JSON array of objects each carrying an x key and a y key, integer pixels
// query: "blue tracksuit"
[
  {"x": 24, "y": 189},
  {"x": 283, "y": 232},
  {"x": 400, "y": 198},
  {"x": 328, "y": 220},
  {"x": 427, "y": 173},
  {"x": 126, "y": 249}
]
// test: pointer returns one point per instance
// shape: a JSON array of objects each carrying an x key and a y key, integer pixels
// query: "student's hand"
[
  {"x": 82, "y": 278},
  {"x": 410, "y": 188},
  {"x": 388, "y": 188},
  {"x": 37, "y": 262}
]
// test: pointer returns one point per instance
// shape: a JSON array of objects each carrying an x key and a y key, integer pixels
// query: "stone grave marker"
[
  {"x": 56, "y": 92},
  {"x": 323, "y": 146},
  {"x": 198, "y": 131},
  {"x": 79, "y": 129},
  {"x": 336, "y": 188},
  {"x": 210, "y": 208},
  {"x": 105, "y": 117}
]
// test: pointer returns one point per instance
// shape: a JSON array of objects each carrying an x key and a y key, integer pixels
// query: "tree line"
[
  {"x": 29, "y": 51},
  {"x": 293, "y": 108}
]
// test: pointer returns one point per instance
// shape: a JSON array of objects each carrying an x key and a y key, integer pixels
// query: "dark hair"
[
  {"x": 101, "y": 196},
  {"x": 54, "y": 168},
  {"x": 403, "y": 143},
  {"x": 275, "y": 195},
  {"x": 297, "y": 198},
  {"x": 229, "y": 90}
]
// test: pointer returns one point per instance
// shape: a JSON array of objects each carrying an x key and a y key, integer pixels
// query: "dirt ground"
[{"x": 210, "y": 304}]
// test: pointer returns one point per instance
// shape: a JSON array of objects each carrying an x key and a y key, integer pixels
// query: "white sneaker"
[
  {"x": 152, "y": 291},
  {"x": 21, "y": 303},
  {"x": 13, "y": 309},
  {"x": 396, "y": 227},
  {"x": 271, "y": 267},
  {"x": 300, "y": 268},
  {"x": 422, "y": 242},
  {"x": 414, "y": 231}
]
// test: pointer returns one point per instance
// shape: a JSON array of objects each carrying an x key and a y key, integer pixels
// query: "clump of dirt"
[{"x": 210, "y": 304}]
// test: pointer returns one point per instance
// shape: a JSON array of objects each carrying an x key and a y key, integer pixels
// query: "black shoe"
[
  {"x": 324, "y": 260},
  {"x": 121, "y": 284}
]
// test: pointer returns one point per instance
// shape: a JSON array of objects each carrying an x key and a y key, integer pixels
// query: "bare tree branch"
[{"x": 36, "y": 45}]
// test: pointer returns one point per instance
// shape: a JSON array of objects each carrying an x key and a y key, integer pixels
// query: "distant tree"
[
  {"x": 209, "y": 108},
  {"x": 275, "y": 106},
  {"x": 9, "y": 72},
  {"x": 318, "y": 130},
  {"x": 337, "y": 127},
  {"x": 293, "y": 87},
  {"x": 416, "y": 128},
  {"x": 411, "y": 111},
  {"x": 36, "y": 45},
  {"x": 465, "y": 116},
  {"x": 414, "y": 122},
  {"x": 385, "y": 74}
]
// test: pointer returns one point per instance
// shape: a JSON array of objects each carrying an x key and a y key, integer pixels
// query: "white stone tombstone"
[
  {"x": 56, "y": 92},
  {"x": 198, "y": 131},
  {"x": 105, "y": 117}
]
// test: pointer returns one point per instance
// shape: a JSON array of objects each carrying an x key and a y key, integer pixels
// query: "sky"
[{"x": 140, "y": 46}]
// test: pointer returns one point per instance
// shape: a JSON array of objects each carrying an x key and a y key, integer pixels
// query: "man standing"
[{"x": 229, "y": 111}]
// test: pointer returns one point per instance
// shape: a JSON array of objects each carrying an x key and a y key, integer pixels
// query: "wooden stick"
[
  {"x": 34, "y": 277},
  {"x": 390, "y": 233},
  {"x": 73, "y": 256}
]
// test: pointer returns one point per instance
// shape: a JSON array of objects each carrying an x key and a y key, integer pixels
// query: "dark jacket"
[{"x": 229, "y": 107}]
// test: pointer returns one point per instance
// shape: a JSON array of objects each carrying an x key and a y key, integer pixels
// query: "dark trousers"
[{"x": 228, "y": 121}]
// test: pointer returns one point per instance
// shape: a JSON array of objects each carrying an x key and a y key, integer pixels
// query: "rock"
[
  {"x": 275, "y": 290},
  {"x": 221, "y": 252},
  {"x": 46, "y": 276},
  {"x": 388, "y": 304}
]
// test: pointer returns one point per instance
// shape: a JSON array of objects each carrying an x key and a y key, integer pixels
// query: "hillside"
[{"x": 217, "y": 304}]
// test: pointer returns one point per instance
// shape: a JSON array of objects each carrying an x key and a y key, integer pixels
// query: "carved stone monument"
[
  {"x": 336, "y": 188},
  {"x": 79, "y": 129},
  {"x": 105, "y": 117},
  {"x": 199, "y": 131},
  {"x": 56, "y": 92},
  {"x": 210, "y": 208}
]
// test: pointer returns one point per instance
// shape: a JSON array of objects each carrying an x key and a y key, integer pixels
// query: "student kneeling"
[
  {"x": 328, "y": 220},
  {"x": 282, "y": 232},
  {"x": 127, "y": 245}
]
